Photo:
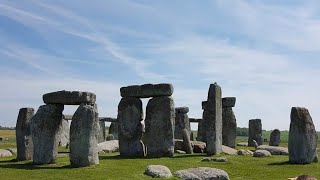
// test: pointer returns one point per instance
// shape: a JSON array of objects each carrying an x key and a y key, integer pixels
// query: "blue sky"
[{"x": 265, "y": 53}]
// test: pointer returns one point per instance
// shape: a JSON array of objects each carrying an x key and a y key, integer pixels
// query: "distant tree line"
[
  {"x": 7, "y": 128},
  {"x": 242, "y": 131}
]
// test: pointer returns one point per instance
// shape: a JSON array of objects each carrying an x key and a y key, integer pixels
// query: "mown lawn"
[{"x": 114, "y": 167}]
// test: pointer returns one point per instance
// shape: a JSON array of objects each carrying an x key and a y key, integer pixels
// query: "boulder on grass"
[{"x": 158, "y": 171}]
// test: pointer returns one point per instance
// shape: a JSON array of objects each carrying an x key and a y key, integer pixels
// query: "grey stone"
[
  {"x": 228, "y": 102},
  {"x": 255, "y": 132},
  {"x": 204, "y": 104},
  {"x": 274, "y": 150},
  {"x": 158, "y": 171},
  {"x": 202, "y": 173},
  {"x": 218, "y": 159},
  {"x": 5, "y": 153},
  {"x": 108, "y": 119},
  {"x": 110, "y": 137},
  {"x": 180, "y": 152},
  {"x": 229, "y": 127},
  {"x": 191, "y": 136},
  {"x": 102, "y": 132},
  {"x": 229, "y": 150},
  {"x": 181, "y": 122},
  {"x": 182, "y": 110},
  {"x": 199, "y": 147},
  {"x": 186, "y": 141},
  {"x": 108, "y": 146},
  {"x": 69, "y": 97},
  {"x": 242, "y": 144},
  {"x": 12, "y": 150},
  {"x": 113, "y": 129},
  {"x": 130, "y": 115},
  {"x": 201, "y": 134},
  {"x": 255, "y": 144},
  {"x": 178, "y": 145},
  {"x": 23, "y": 134},
  {"x": 261, "y": 153},
  {"x": 64, "y": 133},
  {"x": 84, "y": 132},
  {"x": 67, "y": 117},
  {"x": 303, "y": 137},
  {"x": 45, "y": 125},
  {"x": 243, "y": 152},
  {"x": 274, "y": 138},
  {"x": 159, "y": 123},
  {"x": 147, "y": 90},
  {"x": 213, "y": 119},
  {"x": 305, "y": 177}
]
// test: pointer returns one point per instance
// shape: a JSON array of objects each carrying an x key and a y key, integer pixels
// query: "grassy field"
[{"x": 114, "y": 167}]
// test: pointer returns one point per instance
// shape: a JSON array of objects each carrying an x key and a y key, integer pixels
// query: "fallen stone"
[
  {"x": 228, "y": 102},
  {"x": 219, "y": 159},
  {"x": 147, "y": 90},
  {"x": 108, "y": 146},
  {"x": 242, "y": 144},
  {"x": 158, "y": 171},
  {"x": 243, "y": 152},
  {"x": 274, "y": 150},
  {"x": 5, "y": 153},
  {"x": 261, "y": 153},
  {"x": 199, "y": 147},
  {"x": 202, "y": 173},
  {"x": 12, "y": 150},
  {"x": 69, "y": 97},
  {"x": 274, "y": 138},
  {"x": 229, "y": 150}
]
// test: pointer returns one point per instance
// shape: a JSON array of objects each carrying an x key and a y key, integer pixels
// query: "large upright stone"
[
  {"x": 229, "y": 127},
  {"x": 69, "y": 97},
  {"x": 23, "y": 134},
  {"x": 186, "y": 141},
  {"x": 45, "y": 126},
  {"x": 64, "y": 133},
  {"x": 84, "y": 132},
  {"x": 213, "y": 119},
  {"x": 303, "y": 137},
  {"x": 274, "y": 138},
  {"x": 201, "y": 134},
  {"x": 102, "y": 132},
  {"x": 113, "y": 129},
  {"x": 159, "y": 133},
  {"x": 130, "y": 115},
  {"x": 255, "y": 132},
  {"x": 147, "y": 90},
  {"x": 181, "y": 122}
]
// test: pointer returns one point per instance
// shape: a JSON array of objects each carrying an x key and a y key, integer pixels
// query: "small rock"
[
  {"x": 243, "y": 152},
  {"x": 158, "y": 171},
  {"x": 5, "y": 153},
  {"x": 202, "y": 173},
  {"x": 12, "y": 150},
  {"x": 261, "y": 153},
  {"x": 219, "y": 159},
  {"x": 228, "y": 150}
]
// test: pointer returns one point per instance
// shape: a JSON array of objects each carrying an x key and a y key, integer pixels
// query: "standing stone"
[
  {"x": 159, "y": 133},
  {"x": 274, "y": 138},
  {"x": 45, "y": 126},
  {"x": 255, "y": 132},
  {"x": 213, "y": 118},
  {"x": 303, "y": 137},
  {"x": 186, "y": 141},
  {"x": 64, "y": 133},
  {"x": 201, "y": 134},
  {"x": 181, "y": 122},
  {"x": 23, "y": 134},
  {"x": 102, "y": 132},
  {"x": 84, "y": 131},
  {"x": 130, "y": 115},
  {"x": 113, "y": 129},
  {"x": 229, "y": 127}
]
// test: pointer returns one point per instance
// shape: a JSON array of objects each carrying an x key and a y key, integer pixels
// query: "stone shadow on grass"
[
  {"x": 31, "y": 166},
  {"x": 176, "y": 156},
  {"x": 280, "y": 163}
]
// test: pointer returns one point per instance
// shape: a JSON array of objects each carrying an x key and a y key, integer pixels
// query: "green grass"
[{"x": 112, "y": 166}]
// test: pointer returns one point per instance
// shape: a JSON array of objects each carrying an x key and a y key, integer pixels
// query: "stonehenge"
[
  {"x": 181, "y": 122},
  {"x": 255, "y": 132},
  {"x": 229, "y": 123},
  {"x": 274, "y": 138}
]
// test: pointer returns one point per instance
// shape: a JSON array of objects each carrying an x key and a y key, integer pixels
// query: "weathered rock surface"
[
  {"x": 243, "y": 152},
  {"x": 159, "y": 123},
  {"x": 5, "y": 153},
  {"x": 229, "y": 127},
  {"x": 12, "y": 150},
  {"x": 181, "y": 122},
  {"x": 255, "y": 132},
  {"x": 64, "y": 133},
  {"x": 274, "y": 138},
  {"x": 113, "y": 129},
  {"x": 147, "y": 90},
  {"x": 182, "y": 110},
  {"x": 218, "y": 159},
  {"x": 228, "y": 102},
  {"x": 186, "y": 141},
  {"x": 84, "y": 132},
  {"x": 202, "y": 173},
  {"x": 45, "y": 125},
  {"x": 108, "y": 146},
  {"x": 261, "y": 153},
  {"x": 274, "y": 150},
  {"x": 229, "y": 150},
  {"x": 204, "y": 104},
  {"x": 158, "y": 171},
  {"x": 69, "y": 97},
  {"x": 198, "y": 146},
  {"x": 303, "y": 137},
  {"x": 102, "y": 132},
  {"x": 130, "y": 115},
  {"x": 213, "y": 119},
  {"x": 201, "y": 134},
  {"x": 23, "y": 134}
]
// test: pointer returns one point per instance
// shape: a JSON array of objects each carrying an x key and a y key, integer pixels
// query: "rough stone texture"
[
  {"x": 261, "y": 153},
  {"x": 274, "y": 150},
  {"x": 113, "y": 129},
  {"x": 255, "y": 132},
  {"x": 243, "y": 152},
  {"x": 158, "y": 171},
  {"x": 274, "y": 138},
  {"x": 130, "y": 115},
  {"x": 201, "y": 134},
  {"x": 12, "y": 150},
  {"x": 159, "y": 123},
  {"x": 45, "y": 125},
  {"x": 305, "y": 177},
  {"x": 181, "y": 122},
  {"x": 108, "y": 119},
  {"x": 213, "y": 119},
  {"x": 182, "y": 110},
  {"x": 202, "y": 173},
  {"x": 218, "y": 159},
  {"x": 102, "y": 132},
  {"x": 5, "y": 153},
  {"x": 64, "y": 133},
  {"x": 242, "y": 144},
  {"x": 204, "y": 104},
  {"x": 84, "y": 132},
  {"x": 199, "y": 147},
  {"x": 147, "y": 90},
  {"x": 302, "y": 142},
  {"x": 228, "y": 102},
  {"x": 229, "y": 150},
  {"x": 108, "y": 146},
  {"x": 67, "y": 117},
  {"x": 229, "y": 127},
  {"x": 69, "y": 97},
  {"x": 186, "y": 141},
  {"x": 23, "y": 134}
]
